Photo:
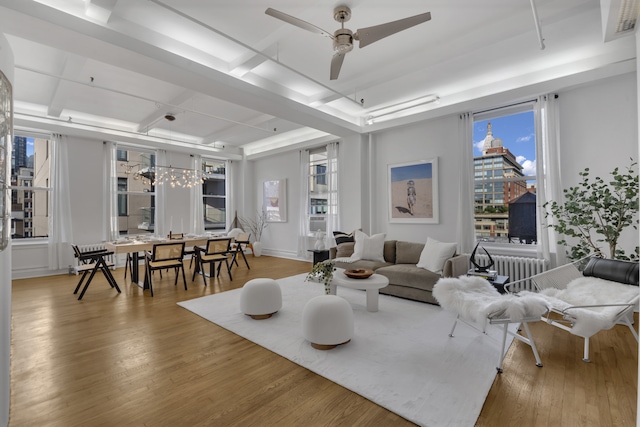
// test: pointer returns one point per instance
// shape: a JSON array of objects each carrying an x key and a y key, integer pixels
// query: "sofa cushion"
[
  {"x": 410, "y": 276},
  {"x": 435, "y": 254},
  {"x": 369, "y": 248},
  {"x": 345, "y": 250},
  {"x": 408, "y": 252},
  {"x": 342, "y": 237},
  {"x": 613, "y": 269}
]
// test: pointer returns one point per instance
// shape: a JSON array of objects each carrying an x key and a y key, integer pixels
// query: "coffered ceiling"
[{"x": 240, "y": 81}]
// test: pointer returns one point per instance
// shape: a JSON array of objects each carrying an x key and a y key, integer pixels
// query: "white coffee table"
[{"x": 370, "y": 284}]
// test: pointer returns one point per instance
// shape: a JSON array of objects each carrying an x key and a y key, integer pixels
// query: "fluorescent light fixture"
[{"x": 401, "y": 109}]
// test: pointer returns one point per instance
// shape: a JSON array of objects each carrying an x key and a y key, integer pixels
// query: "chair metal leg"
[
  {"x": 184, "y": 279},
  {"x": 585, "y": 357},
  {"x": 532, "y": 343},
  {"x": 454, "y": 325}
]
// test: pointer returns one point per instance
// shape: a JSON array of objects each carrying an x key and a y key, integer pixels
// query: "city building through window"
[
  {"x": 136, "y": 190},
  {"x": 30, "y": 191},
  {"x": 214, "y": 199},
  {"x": 504, "y": 171},
  {"x": 318, "y": 191}
]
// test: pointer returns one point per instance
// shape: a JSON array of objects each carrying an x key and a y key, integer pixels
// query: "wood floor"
[{"x": 129, "y": 359}]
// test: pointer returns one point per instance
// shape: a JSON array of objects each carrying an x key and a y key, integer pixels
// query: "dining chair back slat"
[
  {"x": 215, "y": 252},
  {"x": 162, "y": 256}
]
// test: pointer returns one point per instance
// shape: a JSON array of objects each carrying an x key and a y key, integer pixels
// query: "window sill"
[
  {"x": 530, "y": 251},
  {"x": 30, "y": 242}
]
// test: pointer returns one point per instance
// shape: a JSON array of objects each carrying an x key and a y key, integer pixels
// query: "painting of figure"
[{"x": 413, "y": 192}]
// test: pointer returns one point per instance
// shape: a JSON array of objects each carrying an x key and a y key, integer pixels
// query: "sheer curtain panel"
[
  {"x": 303, "y": 223},
  {"x": 111, "y": 190},
  {"x": 60, "y": 229},
  {"x": 197, "y": 207},
  {"x": 333, "y": 216},
  {"x": 466, "y": 230}
]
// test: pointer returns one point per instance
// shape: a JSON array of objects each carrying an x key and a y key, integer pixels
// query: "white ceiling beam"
[
  {"x": 73, "y": 65},
  {"x": 171, "y": 107},
  {"x": 100, "y": 10},
  {"x": 232, "y": 129},
  {"x": 247, "y": 64}
]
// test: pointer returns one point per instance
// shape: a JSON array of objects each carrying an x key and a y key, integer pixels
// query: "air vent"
[{"x": 619, "y": 18}]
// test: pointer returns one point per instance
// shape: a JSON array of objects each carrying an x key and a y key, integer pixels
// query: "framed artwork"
[
  {"x": 413, "y": 192},
  {"x": 274, "y": 200}
]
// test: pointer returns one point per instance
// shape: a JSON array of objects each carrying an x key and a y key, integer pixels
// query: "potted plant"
[
  {"x": 255, "y": 226},
  {"x": 596, "y": 212},
  {"x": 322, "y": 272}
]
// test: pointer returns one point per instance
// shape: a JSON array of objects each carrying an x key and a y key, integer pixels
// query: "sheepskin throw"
[
  {"x": 476, "y": 300},
  {"x": 591, "y": 291}
]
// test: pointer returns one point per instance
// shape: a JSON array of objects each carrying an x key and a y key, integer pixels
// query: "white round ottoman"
[
  {"x": 260, "y": 298},
  {"x": 327, "y": 321}
]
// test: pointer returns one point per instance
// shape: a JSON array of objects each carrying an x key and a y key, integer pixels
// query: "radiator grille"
[
  {"x": 95, "y": 247},
  {"x": 517, "y": 268}
]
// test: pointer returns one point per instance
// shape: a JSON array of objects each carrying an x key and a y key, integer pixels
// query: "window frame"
[
  {"x": 35, "y": 192},
  {"x": 506, "y": 248},
  {"x": 206, "y": 161},
  {"x": 315, "y": 179}
]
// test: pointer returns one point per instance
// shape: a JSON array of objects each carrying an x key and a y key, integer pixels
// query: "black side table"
[
  {"x": 499, "y": 283},
  {"x": 319, "y": 255}
]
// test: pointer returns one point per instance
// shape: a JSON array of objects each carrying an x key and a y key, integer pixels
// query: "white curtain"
[
  {"x": 303, "y": 223},
  {"x": 549, "y": 178},
  {"x": 333, "y": 212},
  {"x": 196, "y": 225},
  {"x": 161, "y": 228},
  {"x": 465, "y": 230},
  {"x": 230, "y": 184},
  {"x": 111, "y": 231},
  {"x": 60, "y": 229}
]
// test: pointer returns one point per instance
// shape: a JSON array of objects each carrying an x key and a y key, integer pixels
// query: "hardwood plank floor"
[{"x": 129, "y": 359}]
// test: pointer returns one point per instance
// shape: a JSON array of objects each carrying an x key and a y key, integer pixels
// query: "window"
[
  {"x": 504, "y": 144},
  {"x": 318, "y": 191},
  {"x": 214, "y": 199},
  {"x": 122, "y": 196},
  {"x": 30, "y": 177},
  {"x": 136, "y": 193}
]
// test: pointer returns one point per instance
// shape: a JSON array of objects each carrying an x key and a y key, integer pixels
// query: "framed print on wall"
[
  {"x": 413, "y": 192},
  {"x": 274, "y": 200}
]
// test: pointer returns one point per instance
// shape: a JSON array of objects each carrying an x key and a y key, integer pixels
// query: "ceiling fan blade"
[
  {"x": 368, "y": 35},
  {"x": 336, "y": 64},
  {"x": 297, "y": 22}
]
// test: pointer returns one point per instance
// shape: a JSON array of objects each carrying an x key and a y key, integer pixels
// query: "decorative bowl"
[{"x": 359, "y": 273}]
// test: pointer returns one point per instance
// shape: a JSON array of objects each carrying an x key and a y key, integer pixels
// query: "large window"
[
  {"x": 318, "y": 191},
  {"x": 214, "y": 198},
  {"x": 136, "y": 192},
  {"x": 30, "y": 178},
  {"x": 504, "y": 144}
]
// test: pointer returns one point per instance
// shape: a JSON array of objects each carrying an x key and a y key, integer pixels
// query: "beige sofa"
[{"x": 406, "y": 280}]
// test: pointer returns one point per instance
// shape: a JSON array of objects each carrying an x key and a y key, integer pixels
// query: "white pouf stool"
[
  {"x": 327, "y": 321},
  {"x": 260, "y": 298}
]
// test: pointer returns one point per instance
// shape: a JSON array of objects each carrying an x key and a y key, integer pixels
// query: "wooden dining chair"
[
  {"x": 165, "y": 256},
  {"x": 217, "y": 251},
  {"x": 91, "y": 262},
  {"x": 238, "y": 246}
]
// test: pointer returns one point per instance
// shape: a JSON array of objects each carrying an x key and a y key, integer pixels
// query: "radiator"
[
  {"x": 96, "y": 247},
  {"x": 517, "y": 268}
]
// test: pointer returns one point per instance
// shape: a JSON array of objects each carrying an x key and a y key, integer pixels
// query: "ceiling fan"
[{"x": 343, "y": 38}]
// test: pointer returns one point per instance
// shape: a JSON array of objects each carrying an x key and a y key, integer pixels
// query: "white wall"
[
  {"x": 6, "y": 66},
  {"x": 599, "y": 131}
]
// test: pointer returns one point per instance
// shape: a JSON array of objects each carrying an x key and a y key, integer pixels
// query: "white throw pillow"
[
  {"x": 369, "y": 248},
  {"x": 435, "y": 254}
]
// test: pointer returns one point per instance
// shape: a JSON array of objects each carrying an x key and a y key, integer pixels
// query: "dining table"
[{"x": 136, "y": 244}]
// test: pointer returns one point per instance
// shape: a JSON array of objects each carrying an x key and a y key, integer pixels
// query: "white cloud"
[
  {"x": 526, "y": 138},
  {"x": 520, "y": 159},
  {"x": 479, "y": 145},
  {"x": 528, "y": 167}
]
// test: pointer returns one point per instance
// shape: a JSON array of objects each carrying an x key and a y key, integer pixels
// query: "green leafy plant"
[
  {"x": 596, "y": 212},
  {"x": 322, "y": 272}
]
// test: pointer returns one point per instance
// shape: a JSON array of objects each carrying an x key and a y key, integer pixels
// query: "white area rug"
[{"x": 400, "y": 357}]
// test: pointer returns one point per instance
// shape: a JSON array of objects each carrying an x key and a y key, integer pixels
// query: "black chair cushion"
[{"x": 613, "y": 269}]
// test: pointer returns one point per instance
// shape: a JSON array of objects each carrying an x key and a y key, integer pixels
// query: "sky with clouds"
[{"x": 517, "y": 133}]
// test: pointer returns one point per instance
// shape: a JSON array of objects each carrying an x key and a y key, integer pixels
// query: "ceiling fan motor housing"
[{"x": 343, "y": 41}]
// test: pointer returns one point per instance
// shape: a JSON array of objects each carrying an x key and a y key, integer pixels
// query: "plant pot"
[{"x": 257, "y": 248}]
